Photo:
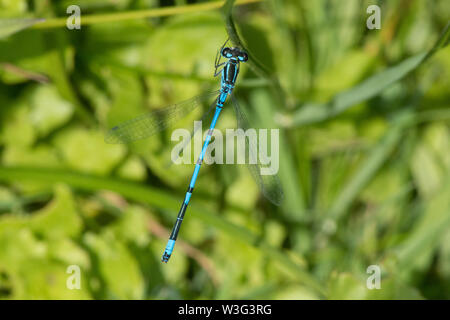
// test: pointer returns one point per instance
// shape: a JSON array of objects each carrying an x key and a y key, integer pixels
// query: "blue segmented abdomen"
[
  {"x": 187, "y": 197},
  {"x": 170, "y": 246}
]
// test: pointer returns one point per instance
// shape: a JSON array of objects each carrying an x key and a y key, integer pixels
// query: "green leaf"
[
  {"x": 44, "y": 279},
  {"x": 86, "y": 151},
  {"x": 118, "y": 268},
  {"x": 132, "y": 226},
  {"x": 69, "y": 252},
  {"x": 133, "y": 169},
  {"x": 295, "y": 293},
  {"x": 392, "y": 289},
  {"x": 59, "y": 219},
  {"x": 345, "y": 286},
  {"x": 17, "y": 128},
  {"x": 48, "y": 109},
  {"x": 42, "y": 155},
  {"x": 430, "y": 161}
]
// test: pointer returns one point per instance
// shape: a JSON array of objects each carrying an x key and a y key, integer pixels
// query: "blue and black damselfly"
[{"x": 153, "y": 122}]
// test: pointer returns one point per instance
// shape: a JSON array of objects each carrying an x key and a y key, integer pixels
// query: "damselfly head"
[{"x": 236, "y": 53}]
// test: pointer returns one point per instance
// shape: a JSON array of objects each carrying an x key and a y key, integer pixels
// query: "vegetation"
[{"x": 364, "y": 151}]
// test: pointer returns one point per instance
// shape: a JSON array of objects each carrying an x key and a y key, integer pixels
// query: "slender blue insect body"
[
  {"x": 229, "y": 75},
  {"x": 150, "y": 123}
]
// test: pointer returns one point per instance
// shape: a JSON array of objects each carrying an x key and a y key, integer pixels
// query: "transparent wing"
[
  {"x": 269, "y": 184},
  {"x": 150, "y": 123}
]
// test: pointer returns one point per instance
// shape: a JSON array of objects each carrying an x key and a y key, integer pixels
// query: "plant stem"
[{"x": 138, "y": 14}]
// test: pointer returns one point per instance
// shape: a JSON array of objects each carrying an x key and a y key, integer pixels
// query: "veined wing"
[
  {"x": 269, "y": 184},
  {"x": 150, "y": 123}
]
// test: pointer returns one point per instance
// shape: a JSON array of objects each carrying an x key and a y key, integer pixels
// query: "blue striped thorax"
[{"x": 231, "y": 69}]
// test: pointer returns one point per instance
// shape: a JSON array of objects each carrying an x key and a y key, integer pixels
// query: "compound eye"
[
  {"x": 243, "y": 56},
  {"x": 227, "y": 53}
]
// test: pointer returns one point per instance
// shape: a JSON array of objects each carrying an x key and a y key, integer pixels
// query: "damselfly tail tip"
[
  {"x": 168, "y": 252},
  {"x": 165, "y": 258}
]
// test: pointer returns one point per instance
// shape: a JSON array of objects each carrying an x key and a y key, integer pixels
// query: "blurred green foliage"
[{"x": 364, "y": 155}]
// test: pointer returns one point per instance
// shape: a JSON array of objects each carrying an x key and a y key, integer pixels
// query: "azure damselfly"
[{"x": 150, "y": 123}]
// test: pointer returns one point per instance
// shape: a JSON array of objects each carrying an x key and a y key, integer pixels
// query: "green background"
[{"x": 364, "y": 152}]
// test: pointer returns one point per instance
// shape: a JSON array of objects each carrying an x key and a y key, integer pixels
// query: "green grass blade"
[
  {"x": 257, "y": 67},
  {"x": 139, "y": 14},
  {"x": 235, "y": 39}
]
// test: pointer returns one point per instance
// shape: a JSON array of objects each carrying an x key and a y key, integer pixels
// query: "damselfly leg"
[{"x": 218, "y": 58}]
